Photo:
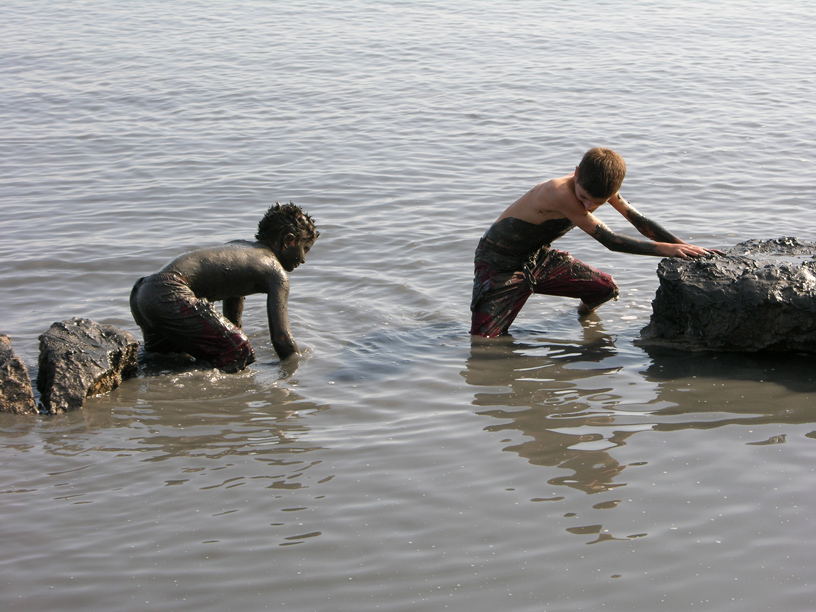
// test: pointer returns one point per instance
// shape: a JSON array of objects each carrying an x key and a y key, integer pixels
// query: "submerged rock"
[
  {"x": 16, "y": 394},
  {"x": 760, "y": 296},
  {"x": 80, "y": 358}
]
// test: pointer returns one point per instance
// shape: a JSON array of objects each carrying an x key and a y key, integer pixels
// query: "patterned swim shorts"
[
  {"x": 499, "y": 295},
  {"x": 174, "y": 320}
]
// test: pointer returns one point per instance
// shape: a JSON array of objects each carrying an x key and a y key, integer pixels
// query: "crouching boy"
[
  {"x": 514, "y": 258},
  {"x": 174, "y": 309}
]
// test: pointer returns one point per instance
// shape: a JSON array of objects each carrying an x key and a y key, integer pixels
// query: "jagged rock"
[
  {"x": 80, "y": 358},
  {"x": 760, "y": 296},
  {"x": 16, "y": 394}
]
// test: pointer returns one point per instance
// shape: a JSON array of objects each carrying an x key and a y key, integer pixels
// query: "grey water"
[{"x": 401, "y": 465}]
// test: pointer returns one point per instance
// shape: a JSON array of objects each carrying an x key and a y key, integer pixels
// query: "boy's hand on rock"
[{"x": 685, "y": 251}]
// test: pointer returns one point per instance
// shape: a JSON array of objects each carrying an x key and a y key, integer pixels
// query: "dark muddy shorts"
[
  {"x": 499, "y": 295},
  {"x": 174, "y": 320}
]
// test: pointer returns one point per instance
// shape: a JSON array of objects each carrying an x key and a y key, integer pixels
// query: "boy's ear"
[{"x": 289, "y": 240}]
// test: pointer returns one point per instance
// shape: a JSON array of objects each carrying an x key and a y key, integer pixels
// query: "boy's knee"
[
  {"x": 606, "y": 289},
  {"x": 238, "y": 357},
  {"x": 614, "y": 290}
]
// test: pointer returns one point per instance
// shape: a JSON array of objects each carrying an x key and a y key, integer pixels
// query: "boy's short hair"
[
  {"x": 282, "y": 219},
  {"x": 601, "y": 172}
]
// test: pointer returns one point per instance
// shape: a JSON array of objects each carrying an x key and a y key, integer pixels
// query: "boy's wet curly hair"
[{"x": 282, "y": 219}]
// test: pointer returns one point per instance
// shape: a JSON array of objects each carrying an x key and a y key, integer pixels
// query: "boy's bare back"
[
  {"x": 231, "y": 270},
  {"x": 545, "y": 201}
]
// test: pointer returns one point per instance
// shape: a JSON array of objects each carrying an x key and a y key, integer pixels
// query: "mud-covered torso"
[
  {"x": 511, "y": 243},
  {"x": 235, "y": 269}
]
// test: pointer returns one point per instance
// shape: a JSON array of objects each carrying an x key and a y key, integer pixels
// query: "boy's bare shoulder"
[{"x": 558, "y": 193}]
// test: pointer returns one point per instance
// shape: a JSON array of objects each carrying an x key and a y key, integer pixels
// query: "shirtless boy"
[
  {"x": 514, "y": 258},
  {"x": 173, "y": 307}
]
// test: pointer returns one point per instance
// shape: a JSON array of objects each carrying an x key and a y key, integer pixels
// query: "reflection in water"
[
  {"x": 708, "y": 389},
  {"x": 558, "y": 394},
  {"x": 196, "y": 439},
  {"x": 576, "y": 402},
  {"x": 193, "y": 412}
]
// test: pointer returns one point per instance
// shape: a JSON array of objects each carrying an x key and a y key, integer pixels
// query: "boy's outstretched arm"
[
  {"x": 625, "y": 244},
  {"x": 651, "y": 229},
  {"x": 619, "y": 242},
  {"x": 276, "y": 312}
]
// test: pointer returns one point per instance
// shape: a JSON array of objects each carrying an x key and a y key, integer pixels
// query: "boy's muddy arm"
[
  {"x": 625, "y": 244},
  {"x": 618, "y": 242},
  {"x": 276, "y": 311},
  {"x": 651, "y": 229},
  {"x": 234, "y": 310},
  {"x": 656, "y": 232}
]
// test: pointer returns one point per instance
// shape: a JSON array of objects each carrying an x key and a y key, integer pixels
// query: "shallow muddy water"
[{"x": 400, "y": 464}]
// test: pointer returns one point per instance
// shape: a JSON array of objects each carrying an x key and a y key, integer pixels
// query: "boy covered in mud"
[
  {"x": 514, "y": 259},
  {"x": 173, "y": 306}
]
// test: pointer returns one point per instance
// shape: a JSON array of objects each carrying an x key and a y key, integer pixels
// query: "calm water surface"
[{"x": 400, "y": 465}]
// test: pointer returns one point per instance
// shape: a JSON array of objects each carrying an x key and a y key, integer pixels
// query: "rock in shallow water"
[
  {"x": 79, "y": 358},
  {"x": 760, "y": 296},
  {"x": 16, "y": 394}
]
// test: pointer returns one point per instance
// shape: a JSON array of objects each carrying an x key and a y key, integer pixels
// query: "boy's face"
[
  {"x": 294, "y": 252},
  {"x": 590, "y": 203}
]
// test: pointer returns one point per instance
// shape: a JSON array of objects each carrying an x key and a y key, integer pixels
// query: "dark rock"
[
  {"x": 80, "y": 358},
  {"x": 16, "y": 394},
  {"x": 760, "y": 296}
]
